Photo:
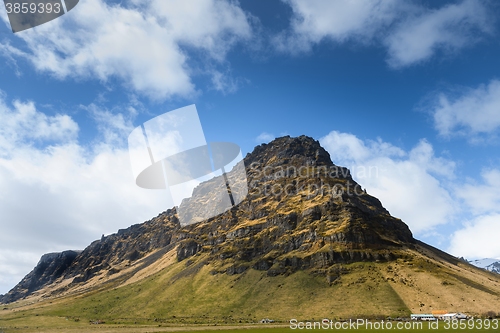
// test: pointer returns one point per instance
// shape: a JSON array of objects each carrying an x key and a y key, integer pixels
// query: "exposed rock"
[
  {"x": 187, "y": 249},
  {"x": 50, "y": 267}
]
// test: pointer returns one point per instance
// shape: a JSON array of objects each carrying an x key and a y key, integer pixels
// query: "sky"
[{"x": 404, "y": 93}]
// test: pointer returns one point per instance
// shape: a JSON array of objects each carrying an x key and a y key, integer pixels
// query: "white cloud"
[
  {"x": 407, "y": 183},
  {"x": 112, "y": 126},
  {"x": 211, "y": 25},
  {"x": 348, "y": 147},
  {"x": 340, "y": 21},
  {"x": 479, "y": 238},
  {"x": 223, "y": 82},
  {"x": 448, "y": 29},
  {"x": 482, "y": 198},
  {"x": 264, "y": 137},
  {"x": 23, "y": 122},
  {"x": 411, "y": 32},
  {"x": 14, "y": 264},
  {"x": 57, "y": 194},
  {"x": 474, "y": 112},
  {"x": 143, "y": 44}
]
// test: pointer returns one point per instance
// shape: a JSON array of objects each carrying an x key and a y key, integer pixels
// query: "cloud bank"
[{"x": 58, "y": 194}]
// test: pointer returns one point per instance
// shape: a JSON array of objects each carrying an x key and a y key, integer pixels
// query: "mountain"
[
  {"x": 307, "y": 242},
  {"x": 492, "y": 265}
]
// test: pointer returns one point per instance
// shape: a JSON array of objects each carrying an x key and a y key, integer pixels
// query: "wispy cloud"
[
  {"x": 478, "y": 239},
  {"x": 474, "y": 112},
  {"x": 426, "y": 32},
  {"x": 264, "y": 137},
  {"x": 21, "y": 122},
  {"x": 113, "y": 127},
  {"x": 338, "y": 21},
  {"x": 410, "y": 32},
  {"x": 482, "y": 197}
]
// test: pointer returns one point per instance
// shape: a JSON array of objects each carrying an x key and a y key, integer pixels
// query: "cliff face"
[
  {"x": 50, "y": 267},
  {"x": 302, "y": 212}
]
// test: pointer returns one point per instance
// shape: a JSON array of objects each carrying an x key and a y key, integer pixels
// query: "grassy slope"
[{"x": 178, "y": 294}]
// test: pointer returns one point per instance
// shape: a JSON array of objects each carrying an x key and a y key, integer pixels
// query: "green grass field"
[
  {"x": 221, "y": 299},
  {"x": 194, "y": 299}
]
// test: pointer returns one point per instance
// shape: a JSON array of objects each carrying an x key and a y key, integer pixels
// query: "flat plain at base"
[{"x": 257, "y": 328}]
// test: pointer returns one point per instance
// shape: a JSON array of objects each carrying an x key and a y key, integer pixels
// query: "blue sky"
[{"x": 408, "y": 88}]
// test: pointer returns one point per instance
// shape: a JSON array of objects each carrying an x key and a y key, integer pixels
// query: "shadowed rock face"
[
  {"x": 50, "y": 267},
  {"x": 302, "y": 212}
]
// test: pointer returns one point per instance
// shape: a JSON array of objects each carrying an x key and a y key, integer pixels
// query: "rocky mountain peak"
[
  {"x": 302, "y": 212},
  {"x": 282, "y": 150}
]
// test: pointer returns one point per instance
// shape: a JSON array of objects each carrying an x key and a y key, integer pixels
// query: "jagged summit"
[{"x": 284, "y": 148}]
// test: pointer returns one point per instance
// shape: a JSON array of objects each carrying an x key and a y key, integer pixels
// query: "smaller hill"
[{"x": 492, "y": 265}]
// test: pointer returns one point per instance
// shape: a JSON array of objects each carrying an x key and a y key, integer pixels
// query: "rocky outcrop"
[
  {"x": 50, "y": 267},
  {"x": 302, "y": 212}
]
